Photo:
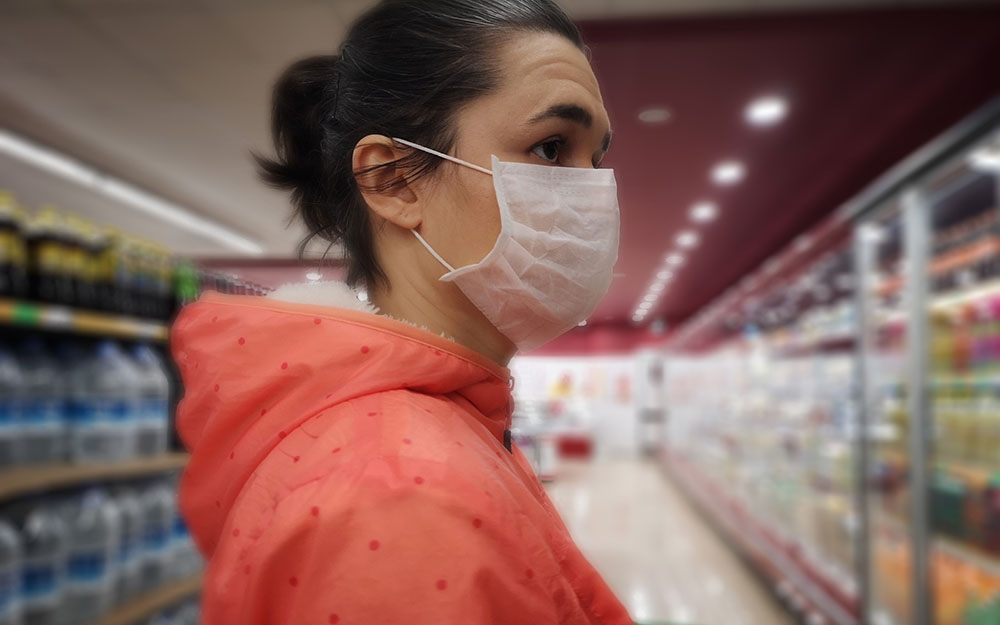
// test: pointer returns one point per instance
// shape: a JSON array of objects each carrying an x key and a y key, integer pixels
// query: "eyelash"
[{"x": 561, "y": 144}]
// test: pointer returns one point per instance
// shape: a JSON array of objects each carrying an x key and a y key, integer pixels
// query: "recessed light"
[
  {"x": 654, "y": 115},
  {"x": 314, "y": 276},
  {"x": 703, "y": 212},
  {"x": 650, "y": 297},
  {"x": 766, "y": 111},
  {"x": 664, "y": 275},
  {"x": 657, "y": 287},
  {"x": 687, "y": 239},
  {"x": 675, "y": 260},
  {"x": 728, "y": 173},
  {"x": 645, "y": 305}
]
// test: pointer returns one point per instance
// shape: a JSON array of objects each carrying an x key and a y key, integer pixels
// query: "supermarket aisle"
[{"x": 653, "y": 548}]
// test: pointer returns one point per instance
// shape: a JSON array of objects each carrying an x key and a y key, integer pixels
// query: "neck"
[{"x": 443, "y": 309}]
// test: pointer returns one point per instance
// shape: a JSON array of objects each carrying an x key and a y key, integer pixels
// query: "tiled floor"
[{"x": 654, "y": 550}]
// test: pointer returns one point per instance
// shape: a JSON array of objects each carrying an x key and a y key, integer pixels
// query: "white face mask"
[{"x": 553, "y": 260}]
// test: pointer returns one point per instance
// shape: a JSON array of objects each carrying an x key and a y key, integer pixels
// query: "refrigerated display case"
[{"x": 858, "y": 439}]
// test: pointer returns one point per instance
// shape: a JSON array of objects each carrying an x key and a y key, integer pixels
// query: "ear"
[{"x": 385, "y": 190}]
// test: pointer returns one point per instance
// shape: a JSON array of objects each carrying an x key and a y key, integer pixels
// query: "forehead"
[{"x": 541, "y": 69}]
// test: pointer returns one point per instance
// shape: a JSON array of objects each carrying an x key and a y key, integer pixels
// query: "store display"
[
  {"x": 783, "y": 440},
  {"x": 59, "y": 258},
  {"x": 70, "y": 559}
]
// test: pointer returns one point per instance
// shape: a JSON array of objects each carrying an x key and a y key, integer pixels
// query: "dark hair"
[{"x": 403, "y": 70}]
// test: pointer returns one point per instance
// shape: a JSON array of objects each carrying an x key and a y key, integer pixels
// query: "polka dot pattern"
[
  {"x": 242, "y": 341},
  {"x": 418, "y": 480},
  {"x": 284, "y": 365},
  {"x": 365, "y": 349},
  {"x": 373, "y": 545},
  {"x": 441, "y": 584}
]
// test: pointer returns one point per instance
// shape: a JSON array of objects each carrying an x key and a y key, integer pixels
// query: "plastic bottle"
[
  {"x": 11, "y": 400},
  {"x": 104, "y": 406},
  {"x": 13, "y": 251},
  {"x": 129, "y": 567},
  {"x": 158, "y": 517},
  {"x": 43, "y": 426},
  {"x": 44, "y": 538},
  {"x": 153, "y": 424},
  {"x": 11, "y": 558},
  {"x": 92, "y": 557}
]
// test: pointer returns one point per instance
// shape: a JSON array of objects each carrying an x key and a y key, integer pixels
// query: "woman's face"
[{"x": 547, "y": 110}]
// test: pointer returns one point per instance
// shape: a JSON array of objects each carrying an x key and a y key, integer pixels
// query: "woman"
[{"x": 351, "y": 463}]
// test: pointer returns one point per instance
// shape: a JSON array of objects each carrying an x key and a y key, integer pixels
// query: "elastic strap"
[
  {"x": 446, "y": 157},
  {"x": 431, "y": 250}
]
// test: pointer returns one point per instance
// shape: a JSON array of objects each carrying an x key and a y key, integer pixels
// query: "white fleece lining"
[{"x": 333, "y": 294}]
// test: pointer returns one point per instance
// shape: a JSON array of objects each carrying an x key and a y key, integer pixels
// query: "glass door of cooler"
[
  {"x": 962, "y": 273},
  {"x": 886, "y": 431}
]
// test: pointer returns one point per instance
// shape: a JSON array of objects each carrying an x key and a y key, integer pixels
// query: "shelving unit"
[
  {"x": 62, "y": 318},
  {"x": 906, "y": 449},
  {"x": 24, "y": 480},
  {"x": 153, "y": 602}
]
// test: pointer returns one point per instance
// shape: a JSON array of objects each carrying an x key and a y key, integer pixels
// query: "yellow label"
[{"x": 50, "y": 257}]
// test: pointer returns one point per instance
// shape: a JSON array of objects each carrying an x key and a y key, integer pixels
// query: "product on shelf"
[
  {"x": 60, "y": 258},
  {"x": 158, "y": 504},
  {"x": 75, "y": 557},
  {"x": 11, "y": 389},
  {"x": 152, "y": 428},
  {"x": 94, "y": 523},
  {"x": 43, "y": 431},
  {"x": 43, "y": 578},
  {"x": 13, "y": 249},
  {"x": 10, "y": 574}
]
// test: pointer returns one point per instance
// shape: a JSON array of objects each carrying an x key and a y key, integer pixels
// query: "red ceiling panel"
[{"x": 865, "y": 89}]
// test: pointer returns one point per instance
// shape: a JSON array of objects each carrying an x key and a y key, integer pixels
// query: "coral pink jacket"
[{"x": 348, "y": 468}]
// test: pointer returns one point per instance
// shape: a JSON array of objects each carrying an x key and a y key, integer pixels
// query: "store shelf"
[
  {"x": 153, "y": 602},
  {"x": 974, "y": 476},
  {"x": 23, "y": 480},
  {"x": 796, "y": 580},
  {"x": 954, "y": 548},
  {"x": 46, "y": 317}
]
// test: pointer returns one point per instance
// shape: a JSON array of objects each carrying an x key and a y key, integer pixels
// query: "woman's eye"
[{"x": 549, "y": 150}]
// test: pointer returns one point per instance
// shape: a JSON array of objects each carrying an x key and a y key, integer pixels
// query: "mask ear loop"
[
  {"x": 431, "y": 250},
  {"x": 446, "y": 157}
]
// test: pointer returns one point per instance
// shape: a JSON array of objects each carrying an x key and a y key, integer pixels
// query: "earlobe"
[{"x": 383, "y": 184}]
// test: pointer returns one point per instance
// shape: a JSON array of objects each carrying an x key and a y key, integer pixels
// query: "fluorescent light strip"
[{"x": 74, "y": 171}]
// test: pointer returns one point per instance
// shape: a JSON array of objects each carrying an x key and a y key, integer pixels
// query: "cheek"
[{"x": 474, "y": 222}]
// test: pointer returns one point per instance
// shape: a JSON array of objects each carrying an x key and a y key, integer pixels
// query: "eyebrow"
[{"x": 573, "y": 113}]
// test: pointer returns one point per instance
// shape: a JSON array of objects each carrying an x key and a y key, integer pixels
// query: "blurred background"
[{"x": 786, "y": 409}]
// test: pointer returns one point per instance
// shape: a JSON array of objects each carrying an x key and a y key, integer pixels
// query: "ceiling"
[{"x": 170, "y": 96}]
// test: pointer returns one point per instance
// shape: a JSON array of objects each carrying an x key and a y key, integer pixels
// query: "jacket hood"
[{"x": 255, "y": 368}]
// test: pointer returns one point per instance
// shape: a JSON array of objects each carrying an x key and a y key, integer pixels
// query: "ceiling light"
[
  {"x": 986, "y": 159},
  {"x": 728, "y": 173},
  {"x": 645, "y": 305},
  {"x": 675, "y": 260},
  {"x": 654, "y": 115},
  {"x": 74, "y": 171},
  {"x": 657, "y": 287},
  {"x": 687, "y": 239},
  {"x": 582, "y": 323},
  {"x": 766, "y": 111},
  {"x": 650, "y": 297},
  {"x": 703, "y": 212},
  {"x": 314, "y": 276},
  {"x": 664, "y": 275}
]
